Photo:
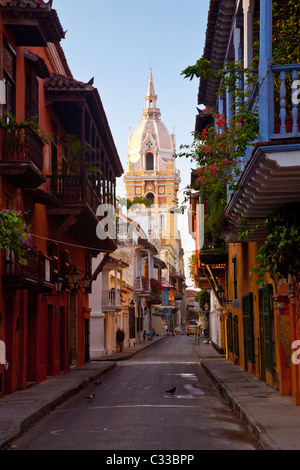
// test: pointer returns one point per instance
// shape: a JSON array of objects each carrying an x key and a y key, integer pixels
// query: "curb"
[
  {"x": 18, "y": 428},
  {"x": 29, "y": 421},
  {"x": 252, "y": 426}
]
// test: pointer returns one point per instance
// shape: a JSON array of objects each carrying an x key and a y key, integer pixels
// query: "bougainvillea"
[{"x": 14, "y": 234}]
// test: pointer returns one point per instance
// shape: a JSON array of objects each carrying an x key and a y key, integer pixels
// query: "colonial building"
[
  {"x": 152, "y": 174},
  {"x": 258, "y": 315},
  {"x": 45, "y": 168}
]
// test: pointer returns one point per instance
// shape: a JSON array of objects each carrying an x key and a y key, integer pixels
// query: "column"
[{"x": 266, "y": 93}]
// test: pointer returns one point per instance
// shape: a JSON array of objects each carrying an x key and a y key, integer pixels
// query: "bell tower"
[{"x": 151, "y": 171}]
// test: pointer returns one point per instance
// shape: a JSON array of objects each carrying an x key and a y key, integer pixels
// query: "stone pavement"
[{"x": 273, "y": 420}]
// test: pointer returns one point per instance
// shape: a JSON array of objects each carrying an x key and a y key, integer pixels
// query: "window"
[
  {"x": 32, "y": 94},
  {"x": 150, "y": 196},
  {"x": 149, "y": 161},
  {"x": 248, "y": 327},
  {"x": 9, "y": 78},
  {"x": 54, "y": 152},
  {"x": 235, "y": 277}
]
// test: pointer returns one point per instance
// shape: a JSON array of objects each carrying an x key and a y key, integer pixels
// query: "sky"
[{"x": 116, "y": 42}]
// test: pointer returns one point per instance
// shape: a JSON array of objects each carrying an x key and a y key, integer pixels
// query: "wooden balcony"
[
  {"x": 76, "y": 213},
  {"x": 288, "y": 124},
  {"x": 142, "y": 287},
  {"x": 37, "y": 274},
  {"x": 21, "y": 156},
  {"x": 74, "y": 190},
  {"x": 111, "y": 301}
]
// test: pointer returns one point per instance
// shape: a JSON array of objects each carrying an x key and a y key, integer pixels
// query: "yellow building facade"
[{"x": 151, "y": 174}]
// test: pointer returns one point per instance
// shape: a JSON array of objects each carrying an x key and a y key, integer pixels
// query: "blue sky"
[{"x": 116, "y": 41}]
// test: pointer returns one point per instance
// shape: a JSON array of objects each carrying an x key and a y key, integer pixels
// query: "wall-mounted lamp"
[
  {"x": 220, "y": 293},
  {"x": 81, "y": 285},
  {"x": 58, "y": 284}
]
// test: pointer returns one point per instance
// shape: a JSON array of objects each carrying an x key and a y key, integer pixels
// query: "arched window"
[
  {"x": 150, "y": 196},
  {"x": 149, "y": 162}
]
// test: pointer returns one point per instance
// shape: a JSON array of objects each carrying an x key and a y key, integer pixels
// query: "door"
[
  {"x": 267, "y": 331},
  {"x": 62, "y": 339},
  {"x": 32, "y": 343},
  {"x": 86, "y": 340},
  {"x": 249, "y": 351}
]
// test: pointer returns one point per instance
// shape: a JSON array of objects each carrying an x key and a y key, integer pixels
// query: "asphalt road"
[{"x": 131, "y": 410}]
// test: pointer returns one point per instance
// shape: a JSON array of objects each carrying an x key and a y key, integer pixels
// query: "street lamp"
[
  {"x": 58, "y": 284},
  {"x": 220, "y": 293}
]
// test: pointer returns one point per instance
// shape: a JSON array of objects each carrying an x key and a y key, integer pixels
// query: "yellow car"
[{"x": 192, "y": 330}]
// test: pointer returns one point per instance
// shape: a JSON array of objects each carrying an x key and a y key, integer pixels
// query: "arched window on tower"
[
  {"x": 150, "y": 196},
  {"x": 149, "y": 161}
]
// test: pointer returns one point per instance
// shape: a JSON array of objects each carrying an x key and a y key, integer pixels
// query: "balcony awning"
[
  {"x": 37, "y": 63},
  {"x": 270, "y": 180},
  {"x": 32, "y": 22}
]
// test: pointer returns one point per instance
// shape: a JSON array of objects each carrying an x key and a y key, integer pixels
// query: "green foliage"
[
  {"x": 14, "y": 234},
  {"x": 10, "y": 123},
  {"x": 120, "y": 336},
  {"x": 73, "y": 156},
  {"x": 286, "y": 27},
  {"x": 203, "y": 298},
  {"x": 192, "y": 263},
  {"x": 279, "y": 256}
]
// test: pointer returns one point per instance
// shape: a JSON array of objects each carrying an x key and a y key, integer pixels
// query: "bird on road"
[
  {"x": 171, "y": 391},
  {"x": 90, "y": 397}
]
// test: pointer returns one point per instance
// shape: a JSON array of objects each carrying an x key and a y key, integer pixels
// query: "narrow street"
[{"x": 131, "y": 410}]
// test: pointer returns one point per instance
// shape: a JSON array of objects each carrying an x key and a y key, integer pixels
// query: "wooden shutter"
[
  {"x": 248, "y": 315},
  {"x": 229, "y": 332},
  {"x": 236, "y": 335},
  {"x": 268, "y": 315}
]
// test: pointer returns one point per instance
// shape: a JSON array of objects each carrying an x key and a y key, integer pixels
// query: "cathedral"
[{"x": 152, "y": 175}]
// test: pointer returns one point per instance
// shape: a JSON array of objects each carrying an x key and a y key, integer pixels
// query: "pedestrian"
[
  {"x": 144, "y": 335},
  {"x": 166, "y": 329}
]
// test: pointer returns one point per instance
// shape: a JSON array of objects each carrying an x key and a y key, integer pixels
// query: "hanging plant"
[
  {"x": 14, "y": 234},
  {"x": 219, "y": 150},
  {"x": 279, "y": 256},
  {"x": 11, "y": 124}
]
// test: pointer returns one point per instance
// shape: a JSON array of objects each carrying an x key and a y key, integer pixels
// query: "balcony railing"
[
  {"x": 37, "y": 273},
  {"x": 74, "y": 189},
  {"x": 22, "y": 145},
  {"x": 288, "y": 123},
  {"x": 111, "y": 301},
  {"x": 142, "y": 285}
]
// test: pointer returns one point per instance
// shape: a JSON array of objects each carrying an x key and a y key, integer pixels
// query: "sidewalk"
[
  {"x": 273, "y": 420},
  {"x": 24, "y": 408}
]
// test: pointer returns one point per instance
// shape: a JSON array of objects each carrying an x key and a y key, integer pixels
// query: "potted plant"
[{"x": 120, "y": 336}]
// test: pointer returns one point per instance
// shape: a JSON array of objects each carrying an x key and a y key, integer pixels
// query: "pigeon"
[
  {"x": 90, "y": 397},
  {"x": 173, "y": 390}
]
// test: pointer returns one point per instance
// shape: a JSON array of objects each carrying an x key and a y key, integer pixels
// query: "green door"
[
  {"x": 267, "y": 330},
  {"x": 249, "y": 349}
]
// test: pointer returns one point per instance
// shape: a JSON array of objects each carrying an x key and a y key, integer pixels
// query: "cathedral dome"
[{"x": 151, "y": 133}]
